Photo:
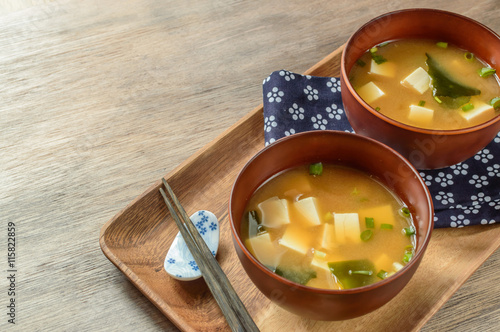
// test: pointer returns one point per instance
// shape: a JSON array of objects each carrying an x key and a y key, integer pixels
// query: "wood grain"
[{"x": 100, "y": 99}]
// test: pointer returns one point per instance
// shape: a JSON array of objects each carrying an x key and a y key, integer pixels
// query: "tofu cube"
[
  {"x": 387, "y": 69},
  {"x": 370, "y": 92},
  {"x": 274, "y": 212},
  {"x": 418, "y": 80},
  {"x": 381, "y": 215},
  {"x": 328, "y": 236},
  {"x": 296, "y": 239},
  {"x": 346, "y": 227},
  {"x": 267, "y": 252},
  {"x": 308, "y": 208},
  {"x": 481, "y": 110},
  {"x": 420, "y": 115}
]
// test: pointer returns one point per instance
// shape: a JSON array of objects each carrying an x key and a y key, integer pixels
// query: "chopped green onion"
[
  {"x": 421, "y": 103},
  {"x": 377, "y": 109},
  {"x": 467, "y": 107},
  {"x": 361, "y": 63},
  {"x": 316, "y": 169},
  {"x": 495, "y": 102},
  {"x": 407, "y": 256},
  {"x": 442, "y": 44},
  {"x": 363, "y": 199},
  {"x": 378, "y": 58},
  {"x": 319, "y": 254},
  {"x": 366, "y": 235},
  {"x": 409, "y": 248},
  {"x": 437, "y": 99},
  {"x": 382, "y": 274},
  {"x": 405, "y": 211},
  {"x": 409, "y": 231},
  {"x": 485, "y": 72},
  {"x": 361, "y": 272},
  {"x": 469, "y": 56},
  {"x": 386, "y": 226},
  {"x": 355, "y": 191},
  {"x": 370, "y": 223}
]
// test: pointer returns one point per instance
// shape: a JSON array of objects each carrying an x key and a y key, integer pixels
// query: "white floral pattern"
[
  {"x": 312, "y": 94},
  {"x": 297, "y": 112},
  {"x": 459, "y": 221},
  {"x": 445, "y": 198},
  {"x": 319, "y": 122},
  {"x": 269, "y": 123},
  {"x": 334, "y": 84},
  {"x": 493, "y": 170},
  {"x": 275, "y": 95},
  {"x": 479, "y": 181},
  {"x": 287, "y": 75},
  {"x": 484, "y": 156},
  {"x": 334, "y": 112},
  {"x": 460, "y": 169},
  {"x": 443, "y": 179}
]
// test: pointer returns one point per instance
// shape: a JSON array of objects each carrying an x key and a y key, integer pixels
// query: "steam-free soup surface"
[
  {"x": 336, "y": 230},
  {"x": 400, "y": 86}
]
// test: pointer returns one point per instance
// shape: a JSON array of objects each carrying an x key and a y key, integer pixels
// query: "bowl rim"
[
  {"x": 436, "y": 132},
  {"x": 322, "y": 291}
]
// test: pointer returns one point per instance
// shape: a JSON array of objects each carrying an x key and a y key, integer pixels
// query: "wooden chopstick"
[{"x": 231, "y": 306}]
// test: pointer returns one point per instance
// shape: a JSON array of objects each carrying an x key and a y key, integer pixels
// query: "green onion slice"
[
  {"x": 438, "y": 100},
  {"x": 467, "y": 107},
  {"x": 377, "y": 109},
  {"x": 485, "y": 72},
  {"x": 469, "y": 56},
  {"x": 361, "y": 63},
  {"x": 442, "y": 44},
  {"x": 370, "y": 223},
  {"x": 382, "y": 274},
  {"x": 405, "y": 211},
  {"x": 316, "y": 169},
  {"x": 421, "y": 103},
  {"x": 366, "y": 235},
  {"x": 407, "y": 256},
  {"x": 361, "y": 272},
  {"x": 495, "y": 102},
  {"x": 386, "y": 226},
  {"x": 409, "y": 230}
]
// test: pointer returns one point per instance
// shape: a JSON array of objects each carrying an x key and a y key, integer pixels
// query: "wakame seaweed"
[
  {"x": 300, "y": 276},
  {"x": 444, "y": 85}
]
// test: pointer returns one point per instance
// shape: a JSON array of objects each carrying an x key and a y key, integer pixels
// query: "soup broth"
[
  {"x": 336, "y": 229},
  {"x": 409, "y": 80}
]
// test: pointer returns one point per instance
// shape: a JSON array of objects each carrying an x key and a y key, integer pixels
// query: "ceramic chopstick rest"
[{"x": 179, "y": 262}]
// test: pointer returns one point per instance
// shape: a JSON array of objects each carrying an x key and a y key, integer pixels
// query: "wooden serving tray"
[{"x": 136, "y": 240}]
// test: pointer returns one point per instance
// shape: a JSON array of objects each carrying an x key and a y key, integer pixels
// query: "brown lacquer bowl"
[
  {"x": 424, "y": 148},
  {"x": 350, "y": 150}
]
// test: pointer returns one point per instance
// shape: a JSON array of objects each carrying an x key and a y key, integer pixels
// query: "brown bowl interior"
[
  {"x": 426, "y": 149},
  {"x": 349, "y": 150}
]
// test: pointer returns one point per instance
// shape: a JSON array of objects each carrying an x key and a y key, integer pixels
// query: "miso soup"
[
  {"x": 328, "y": 226},
  {"x": 427, "y": 84}
]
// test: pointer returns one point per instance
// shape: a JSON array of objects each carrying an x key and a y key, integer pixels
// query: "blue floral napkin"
[{"x": 464, "y": 194}]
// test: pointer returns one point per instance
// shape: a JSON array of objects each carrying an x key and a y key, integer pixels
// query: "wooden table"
[{"x": 99, "y": 99}]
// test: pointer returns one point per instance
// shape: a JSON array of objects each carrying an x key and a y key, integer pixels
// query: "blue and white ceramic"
[{"x": 179, "y": 263}]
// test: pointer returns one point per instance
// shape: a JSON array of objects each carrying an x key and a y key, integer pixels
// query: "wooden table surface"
[{"x": 99, "y": 99}]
